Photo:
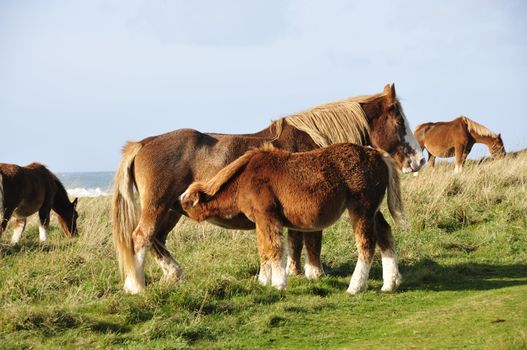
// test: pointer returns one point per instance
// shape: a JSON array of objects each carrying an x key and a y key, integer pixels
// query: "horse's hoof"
[
  {"x": 293, "y": 269},
  {"x": 314, "y": 272},
  {"x": 392, "y": 285},
  {"x": 131, "y": 287}
]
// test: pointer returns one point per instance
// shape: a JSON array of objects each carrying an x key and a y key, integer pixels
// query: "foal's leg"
[
  {"x": 363, "y": 226},
  {"x": 272, "y": 255},
  {"x": 390, "y": 270},
  {"x": 43, "y": 215},
  {"x": 313, "y": 242},
  {"x": 20, "y": 226},
  {"x": 295, "y": 244},
  {"x": 172, "y": 271}
]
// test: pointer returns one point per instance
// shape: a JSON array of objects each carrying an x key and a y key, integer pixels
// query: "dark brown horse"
[
  {"x": 307, "y": 191},
  {"x": 162, "y": 167},
  {"x": 456, "y": 138},
  {"x": 26, "y": 190}
]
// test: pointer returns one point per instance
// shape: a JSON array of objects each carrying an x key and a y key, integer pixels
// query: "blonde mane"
[
  {"x": 212, "y": 186},
  {"x": 334, "y": 122},
  {"x": 478, "y": 128}
]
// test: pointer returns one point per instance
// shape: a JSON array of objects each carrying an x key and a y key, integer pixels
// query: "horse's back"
[{"x": 26, "y": 188}]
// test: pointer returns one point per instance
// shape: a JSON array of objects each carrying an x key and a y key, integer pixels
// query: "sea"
[{"x": 87, "y": 184}]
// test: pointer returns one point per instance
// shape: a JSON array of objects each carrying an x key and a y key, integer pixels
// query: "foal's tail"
[
  {"x": 125, "y": 210},
  {"x": 395, "y": 201}
]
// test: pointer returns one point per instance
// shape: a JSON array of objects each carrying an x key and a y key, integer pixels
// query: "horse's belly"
[
  {"x": 238, "y": 222},
  {"x": 441, "y": 152},
  {"x": 25, "y": 209},
  {"x": 315, "y": 219}
]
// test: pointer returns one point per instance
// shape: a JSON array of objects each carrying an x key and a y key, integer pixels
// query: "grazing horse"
[
  {"x": 456, "y": 138},
  {"x": 26, "y": 190},
  {"x": 162, "y": 167},
  {"x": 307, "y": 191}
]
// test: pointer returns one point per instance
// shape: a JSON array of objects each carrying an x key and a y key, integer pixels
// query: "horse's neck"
[
  {"x": 62, "y": 205},
  {"x": 486, "y": 140}
]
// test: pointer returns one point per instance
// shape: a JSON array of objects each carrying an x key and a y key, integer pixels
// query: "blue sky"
[{"x": 80, "y": 78}]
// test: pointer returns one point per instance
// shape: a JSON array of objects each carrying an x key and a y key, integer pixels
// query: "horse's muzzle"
[{"x": 415, "y": 163}]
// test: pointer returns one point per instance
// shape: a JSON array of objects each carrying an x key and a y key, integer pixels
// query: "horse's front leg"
[
  {"x": 313, "y": 243},
  {"x": 43, "y": 215},
  {"x": 20, "y": 226},
  {"x": 295, "y": 245},
  {"x": 271, "y": 249}
]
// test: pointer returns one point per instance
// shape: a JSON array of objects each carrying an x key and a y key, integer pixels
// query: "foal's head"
[
  {"x": 391, "y": 132},
  {"x": 497, "y": 149},
  {"x": 192, "y": 203}
]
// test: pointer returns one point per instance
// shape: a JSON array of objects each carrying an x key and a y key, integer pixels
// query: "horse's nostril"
[{"x": 422, "y": 162}]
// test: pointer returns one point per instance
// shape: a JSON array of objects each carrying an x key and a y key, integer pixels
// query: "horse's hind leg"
[
  {"x": 363, "y": 226},
  {"x": 5, "y": 219},
  {"x": 172, "y": 271},
  {"x": 142, "y": 238},
  {"x": 390, "y": 270},
  {"x": 43, "y": 215},
  {"x": 272, "y": 255},
  {"x": 313, "y": 243},
  {"x": 20, "y": 226}
]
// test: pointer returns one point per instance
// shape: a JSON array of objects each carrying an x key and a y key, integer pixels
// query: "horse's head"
[
  {"x": 497, "y": 149},
  {"x": 391, "y": 132},
  {"x": 68, "y": 221}
]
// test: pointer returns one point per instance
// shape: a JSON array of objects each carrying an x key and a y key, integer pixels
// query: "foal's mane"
[
  {"x": 212, "y": 186},
  {"x": 334, "y": 122},
  {"x": 478, "y": 128}
]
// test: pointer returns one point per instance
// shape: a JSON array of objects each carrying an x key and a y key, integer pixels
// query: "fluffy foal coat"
[
  {"x": 30, "y": 189},
  {"x": 307, "y": 191}
]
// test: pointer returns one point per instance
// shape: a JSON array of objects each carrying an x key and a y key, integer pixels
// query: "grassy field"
[{"x": 463, "y": 259}]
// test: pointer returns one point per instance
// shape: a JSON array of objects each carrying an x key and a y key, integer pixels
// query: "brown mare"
[
  {"x": 307, "y": 191},
  {"x": 26, "y": 190},
  {"x": 162, "y": 167},
  {"x": 456, "y": 138}
]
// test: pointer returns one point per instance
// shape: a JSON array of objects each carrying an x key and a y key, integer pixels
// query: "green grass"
[{"x": 463, "y": 258}]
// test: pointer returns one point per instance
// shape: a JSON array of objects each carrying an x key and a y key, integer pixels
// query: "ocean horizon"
[{"x": 87, "y": 184}]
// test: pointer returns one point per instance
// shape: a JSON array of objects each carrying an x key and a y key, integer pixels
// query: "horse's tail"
[
  {"x": 212, "y": 186},
  {"x": 395, "y": 200},
  {"x": 125, "y": 210}
]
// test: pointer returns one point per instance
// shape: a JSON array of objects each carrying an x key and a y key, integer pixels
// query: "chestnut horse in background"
[
  {"x": 26, "y": 190},
  {"x": 307, "y": 191},
  {"x": 162, "y": 167},
  {"x": 456, "y": 138}
]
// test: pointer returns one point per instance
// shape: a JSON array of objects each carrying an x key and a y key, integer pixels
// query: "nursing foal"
[{"x": 307, "y": 191}]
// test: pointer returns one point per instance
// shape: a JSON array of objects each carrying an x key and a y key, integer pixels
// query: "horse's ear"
[
  {"x": 75, "y": 202},
  {"x": 389, "y": 90}
]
